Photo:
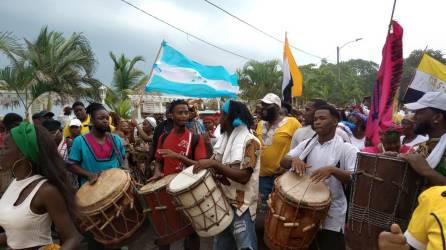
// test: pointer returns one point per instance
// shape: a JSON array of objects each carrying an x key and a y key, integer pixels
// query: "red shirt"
[{"x": 179, "y": 144}]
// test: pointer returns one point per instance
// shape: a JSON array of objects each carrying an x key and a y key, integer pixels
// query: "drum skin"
[
  {"x": 384, "y": 191},
  {"x": 169, "y": 223},
  {"x": 109, "y": 209},
  {"x": 297, "y": 209},
  {"x": 202, "y": 201}
]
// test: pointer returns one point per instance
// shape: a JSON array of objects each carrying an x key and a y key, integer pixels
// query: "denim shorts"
[{"x": 240, "y": 235}]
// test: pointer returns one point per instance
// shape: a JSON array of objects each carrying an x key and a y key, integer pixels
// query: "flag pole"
[
  {"x": 141, "y": 90},
  {"x": 391, "y": 17}
]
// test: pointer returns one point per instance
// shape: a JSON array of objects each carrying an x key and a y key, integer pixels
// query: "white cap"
[
  {"x": 271, "y": 98},
  {"x": 429, "y": 100},
  {"x": 151, "y": 120},
  {"x": 75, "y": 122}
]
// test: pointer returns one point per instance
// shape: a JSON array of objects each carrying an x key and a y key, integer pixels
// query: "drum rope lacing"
[
  {"x": 197, "y": 202},
  {"x": 375, "y": 217}
]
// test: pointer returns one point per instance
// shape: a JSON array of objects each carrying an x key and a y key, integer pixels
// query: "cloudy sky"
[{"x": 317, "y": 26}]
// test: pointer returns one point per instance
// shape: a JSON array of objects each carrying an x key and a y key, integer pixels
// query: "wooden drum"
[
  {"x": 384, "y": 191},
  {"x": 169, "y": 223},
  {"x": 109, "y": 209},
  {"x": 202, "y": 201},
  {"x": 297, "y": 209}
]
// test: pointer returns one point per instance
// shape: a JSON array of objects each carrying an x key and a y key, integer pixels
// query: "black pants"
[{"x": 328, "y": 240}]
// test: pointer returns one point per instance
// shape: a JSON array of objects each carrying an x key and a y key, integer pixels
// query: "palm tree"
[
  {"x": 68, "y": 64},
  {"x": 127, "y": 78},
  {"x": 256, "y": 79},
  {"x": 53, "y": 63}
]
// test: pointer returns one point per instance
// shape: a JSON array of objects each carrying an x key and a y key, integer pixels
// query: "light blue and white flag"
[{"x": 173, "y": 73}]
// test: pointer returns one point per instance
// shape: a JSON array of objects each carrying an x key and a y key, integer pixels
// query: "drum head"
[
  {"x": 185, "y": 179},
  {"x": 156, "y": 185},
  {"x": 301, "y": 189},
  {"x": 110, "y": 184}
]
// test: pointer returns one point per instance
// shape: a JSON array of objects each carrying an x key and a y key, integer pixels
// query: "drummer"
[
  {"x": 326, "y": 157},
  {"x": 430, "y": 119},
  {"x": 177, "y": 150},
  {"x": 237, "y": 158},
  {"x": 96, "y": 150}
]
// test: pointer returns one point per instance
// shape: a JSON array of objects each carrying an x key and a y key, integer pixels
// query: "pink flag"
[{"x": 386, "y": 85}]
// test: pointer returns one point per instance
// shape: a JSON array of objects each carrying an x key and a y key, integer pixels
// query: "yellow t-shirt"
[
  {"x": 424, "y": 231},
  {"x": 84, "y": 127},
  {"x": 274, "y": 150}
]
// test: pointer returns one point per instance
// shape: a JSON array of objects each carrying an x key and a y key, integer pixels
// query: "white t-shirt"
[
  {"x": 418, "y": 139},
  {"x": 330, "y": 154},
  {"x": 304, "y": 133},
  {"x": 358, "y": 143}
]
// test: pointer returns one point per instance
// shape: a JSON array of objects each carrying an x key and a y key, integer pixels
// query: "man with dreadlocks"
[{"x": 94, "y": 151}]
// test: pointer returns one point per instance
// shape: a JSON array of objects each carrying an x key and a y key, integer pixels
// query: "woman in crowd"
[{"x": 39, "y": 194}]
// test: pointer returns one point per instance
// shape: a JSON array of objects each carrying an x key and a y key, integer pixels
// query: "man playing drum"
[
  {"x": 430, "y": 119},
  {"x": 96, "y": 151},
  {"x": 326, "y": 157},
  {"x": 178, "y": 149},
  {"x": 236, "y": 157}
]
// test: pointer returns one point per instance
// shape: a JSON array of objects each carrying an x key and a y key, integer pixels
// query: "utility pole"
[{"x": 337, "y": 63}]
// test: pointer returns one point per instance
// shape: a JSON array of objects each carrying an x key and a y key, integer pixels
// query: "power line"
[
  {"x": 187, "y": 33},
  {"x": 261, "y": 31}
]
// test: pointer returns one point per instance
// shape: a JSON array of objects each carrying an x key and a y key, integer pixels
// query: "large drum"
[
  {"x": 109, "y": 209},
  {"x": 384, "y": 191},
  {"x": 202, "y": 201},
  {"x": 169, "y": 223},
  {"x": 297, "y": 209}
]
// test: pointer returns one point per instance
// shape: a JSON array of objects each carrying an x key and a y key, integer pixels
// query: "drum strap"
[
  {"x": 193, "y": 144},
  {"x": 306, "y": 145},
  {"x": 116, "y": 150}
]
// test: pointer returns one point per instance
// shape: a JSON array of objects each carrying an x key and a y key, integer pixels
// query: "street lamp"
[
  {"x": 338, "y": 49},
  {"x": 102, "y": 93}
]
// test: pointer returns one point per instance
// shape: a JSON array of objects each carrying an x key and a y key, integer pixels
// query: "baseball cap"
[
  {"x": 75, "y": 122},
  {"x": 271, "y": 98},
  {"x": 429, "y": 100}
]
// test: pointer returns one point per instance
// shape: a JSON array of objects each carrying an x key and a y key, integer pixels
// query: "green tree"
[
  {"x": 256, "y": 79},
  {"x": 57, "y": 65},
  {"x": 127, "y": 78}
]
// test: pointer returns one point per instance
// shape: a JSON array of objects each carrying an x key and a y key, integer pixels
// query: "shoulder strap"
[
  {"x": 306, "y": 145},
  {"x": 162, "y": 139},
  {"x": 194, "y": 143},
  {"x": 116, "y": 150}
]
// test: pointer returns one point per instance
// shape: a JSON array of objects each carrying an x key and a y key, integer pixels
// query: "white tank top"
[{"x": 24, "y": 228}]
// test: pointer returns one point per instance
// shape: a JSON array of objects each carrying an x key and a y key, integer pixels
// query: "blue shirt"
[{"x": 83, "y": 152}]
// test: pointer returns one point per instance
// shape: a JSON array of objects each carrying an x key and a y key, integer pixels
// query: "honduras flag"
[{"x": 175, "y": 74}]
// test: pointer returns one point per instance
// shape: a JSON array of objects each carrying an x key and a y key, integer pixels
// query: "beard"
[
  {"x": 423, "y": 128},
  {"x": 103, "y": 129},
  {"x": 271, "y": 114}
]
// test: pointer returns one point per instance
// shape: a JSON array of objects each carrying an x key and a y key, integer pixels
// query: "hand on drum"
[
  {"x": 156, "y": 176},
  {"x": 393, "y": 240},
  {"x": 321, "y": 174},
  {"x": 204, "y": 164},
  {"x": 417, "y": 162},
  {"x": 93, "y": 177},
  {"x": 167, "y": 153},
  {"x": 299, "y": 166}
]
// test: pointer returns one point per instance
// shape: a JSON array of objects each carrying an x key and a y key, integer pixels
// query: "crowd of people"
[{"x": 43, "y": 163}]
